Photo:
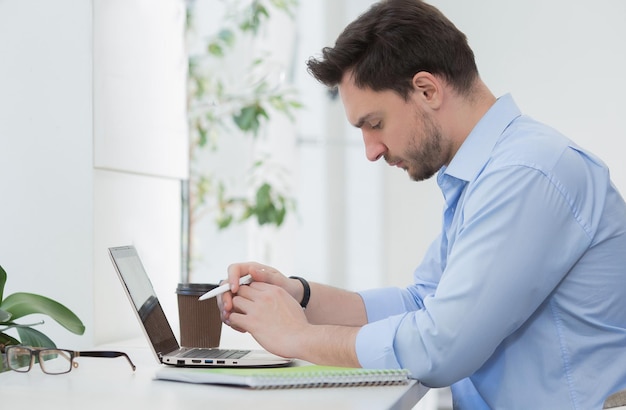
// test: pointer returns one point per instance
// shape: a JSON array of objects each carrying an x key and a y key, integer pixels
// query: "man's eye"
[{"x": 377, "y": 126}]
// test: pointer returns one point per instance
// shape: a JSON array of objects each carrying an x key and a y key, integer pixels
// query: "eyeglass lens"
[{"x": 52, "y": 361}]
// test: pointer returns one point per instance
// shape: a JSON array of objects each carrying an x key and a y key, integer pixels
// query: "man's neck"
[{"x": 463, "y": 112}]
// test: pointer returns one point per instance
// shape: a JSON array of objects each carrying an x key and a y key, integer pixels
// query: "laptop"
[{"x": 159, "y": 332}]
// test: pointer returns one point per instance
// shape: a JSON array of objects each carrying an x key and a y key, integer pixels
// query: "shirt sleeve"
[
  {"x": 382, "y": 303},
  {"x": 518, "y": 233},
  {"x": 375, "y": 341}
]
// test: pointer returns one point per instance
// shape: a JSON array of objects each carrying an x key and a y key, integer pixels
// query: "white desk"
[{"x": 102, "y": 383}]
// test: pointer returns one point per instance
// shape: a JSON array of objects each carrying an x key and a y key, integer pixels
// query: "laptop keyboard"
[{"x": 215, "y": 353}]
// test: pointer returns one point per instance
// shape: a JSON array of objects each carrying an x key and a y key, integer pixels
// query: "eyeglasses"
[{"x": 52, "y": 361}]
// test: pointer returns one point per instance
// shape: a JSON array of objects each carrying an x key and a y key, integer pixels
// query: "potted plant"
[{"x": 18, "y": 305}]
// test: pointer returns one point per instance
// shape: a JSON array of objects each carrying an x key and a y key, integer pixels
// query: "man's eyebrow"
[{"x": 364, "y": 118}]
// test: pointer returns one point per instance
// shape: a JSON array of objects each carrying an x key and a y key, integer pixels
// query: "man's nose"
[{"x": 374, "y": 148}]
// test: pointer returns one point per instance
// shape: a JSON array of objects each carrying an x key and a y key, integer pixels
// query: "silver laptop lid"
[{"x": 144, "y": 300}]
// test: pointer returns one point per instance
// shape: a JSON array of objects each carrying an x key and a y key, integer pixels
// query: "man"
[{"x": 520, "y": 302}]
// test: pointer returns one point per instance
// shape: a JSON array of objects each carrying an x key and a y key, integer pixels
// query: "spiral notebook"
[{"x": 309, "y": 376}]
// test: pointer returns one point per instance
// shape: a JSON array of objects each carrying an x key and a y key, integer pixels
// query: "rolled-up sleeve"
[
  {"x": 385, "y": 309},
  {"x": 374, "y": 344}
]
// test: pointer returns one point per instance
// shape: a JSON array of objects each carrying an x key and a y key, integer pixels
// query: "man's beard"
[{"x": 423, "y": 157}]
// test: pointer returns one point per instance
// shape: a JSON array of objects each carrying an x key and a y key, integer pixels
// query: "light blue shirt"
[{"x": 522, "y": 297}]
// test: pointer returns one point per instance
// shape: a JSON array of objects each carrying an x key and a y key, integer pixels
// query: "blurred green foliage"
[{"x": 216, "y": 104}]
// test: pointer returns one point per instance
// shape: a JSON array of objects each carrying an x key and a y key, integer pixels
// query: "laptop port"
[
  {"x": 196, "y": 361},
  {"x": 208, "y": 361},
  {"x": 180, "y": 362},
  {"x": 221, "y": 362}
]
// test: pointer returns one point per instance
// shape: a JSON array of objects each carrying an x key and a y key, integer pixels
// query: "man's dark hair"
[{"x": 391, "y": 42}]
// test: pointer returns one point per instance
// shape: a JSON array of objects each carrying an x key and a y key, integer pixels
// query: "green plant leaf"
[
  {"x": 249, "y": 119},
  {"x": 22, "y": 304},
  {"x": 6, "y": 340},
  {"x": 202, "y": 132},
  {"x": 224, "y": 221},
  {"x": 215, "y": 49},
  {"x": 4, "y": 316},
  {"x": 285, "y": 5},
  {"x": 264, "y": 196},
  {"x": 296, "y": 104},
  {"x": 33, "y": 337},
  {"x": 3, "y": 280},
  {"x": 227, "y": 36},
  {"x": 257, "y": 12}
]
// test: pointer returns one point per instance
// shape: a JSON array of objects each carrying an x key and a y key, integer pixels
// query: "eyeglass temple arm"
[{"x": 106, "y": 353}]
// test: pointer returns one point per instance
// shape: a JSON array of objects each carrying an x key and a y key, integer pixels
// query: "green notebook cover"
[{"x": 287, "y": 377}]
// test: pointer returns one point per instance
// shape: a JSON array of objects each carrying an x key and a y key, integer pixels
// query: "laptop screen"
[{"x": 145, "y": 302}]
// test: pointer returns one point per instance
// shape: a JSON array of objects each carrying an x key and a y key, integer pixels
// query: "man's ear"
[{"x": 428, "y": 89}]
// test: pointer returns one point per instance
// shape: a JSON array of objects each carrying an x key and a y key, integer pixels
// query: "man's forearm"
[
  {"x": 331, "y": 306},
  {"x": 335, "y": 316},
  {"x": 330, "y": 345}
]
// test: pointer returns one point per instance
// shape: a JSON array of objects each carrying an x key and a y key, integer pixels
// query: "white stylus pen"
[{"x": 244, "y": 280}]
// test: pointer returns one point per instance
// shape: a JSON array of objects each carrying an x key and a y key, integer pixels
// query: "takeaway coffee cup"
[{"x": 200, "y": 323}]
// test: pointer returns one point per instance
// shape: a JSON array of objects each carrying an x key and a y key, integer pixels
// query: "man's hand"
[
  {"x": 269, "y": 309},
  {"x": 259, "y": 273},
  {"x": 272, "y": 316}
]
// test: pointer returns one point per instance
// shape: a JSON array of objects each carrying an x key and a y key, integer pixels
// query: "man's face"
[{"x": 399, "y": 131}]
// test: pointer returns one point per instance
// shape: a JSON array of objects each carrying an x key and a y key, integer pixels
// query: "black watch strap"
[{"x": 307, "y": 291}]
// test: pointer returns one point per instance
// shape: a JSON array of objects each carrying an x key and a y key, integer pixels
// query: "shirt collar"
[{"x": 477, "y": 147}]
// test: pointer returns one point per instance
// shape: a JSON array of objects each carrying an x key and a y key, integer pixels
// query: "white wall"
[
  {"x": 45, "y": 154},
  {"x": 93, "y": 144},
  {"x": 140, "y": 151}
]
